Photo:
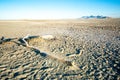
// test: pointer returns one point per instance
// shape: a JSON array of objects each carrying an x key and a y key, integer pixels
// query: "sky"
[{"x": 57, "y": 9}]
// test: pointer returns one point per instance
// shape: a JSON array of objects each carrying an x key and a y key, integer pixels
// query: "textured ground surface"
[{"x": 99, "y": 41}]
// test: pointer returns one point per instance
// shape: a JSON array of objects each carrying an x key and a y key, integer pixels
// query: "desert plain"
[{"x": 78, "y": 49}]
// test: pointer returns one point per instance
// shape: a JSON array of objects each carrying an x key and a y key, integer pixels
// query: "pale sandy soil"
[{"x": 91, "y": 46}]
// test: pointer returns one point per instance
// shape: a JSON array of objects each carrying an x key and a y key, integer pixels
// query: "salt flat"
[{"x": 78, "y": 49}]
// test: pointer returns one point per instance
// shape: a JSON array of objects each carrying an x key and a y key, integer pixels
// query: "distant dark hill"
[{"x": 95, "y": 17}]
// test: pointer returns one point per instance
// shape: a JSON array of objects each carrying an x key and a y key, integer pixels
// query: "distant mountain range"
[{"x": 95, "y": 17}]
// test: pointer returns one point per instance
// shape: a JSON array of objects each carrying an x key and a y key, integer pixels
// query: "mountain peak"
[{"x": 95, "y": 17}]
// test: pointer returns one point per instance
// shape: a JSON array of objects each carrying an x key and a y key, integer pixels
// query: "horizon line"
[{"x": 55, "y": 19}]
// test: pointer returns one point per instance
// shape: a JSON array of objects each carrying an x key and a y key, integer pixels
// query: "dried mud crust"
[{"x": 98, "y": 61}]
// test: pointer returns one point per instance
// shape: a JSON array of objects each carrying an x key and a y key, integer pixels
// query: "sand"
[{"x": 73, "y": 49}]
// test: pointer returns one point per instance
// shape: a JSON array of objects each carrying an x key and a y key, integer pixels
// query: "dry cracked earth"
[{"x": 80, "y": 50}]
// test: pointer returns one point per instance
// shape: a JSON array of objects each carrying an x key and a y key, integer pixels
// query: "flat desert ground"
[{"x": 81, "y": 49}]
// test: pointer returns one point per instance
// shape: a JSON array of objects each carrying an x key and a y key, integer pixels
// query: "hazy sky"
[{"x": 57, "y": 9}]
